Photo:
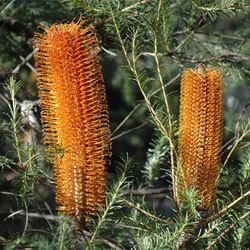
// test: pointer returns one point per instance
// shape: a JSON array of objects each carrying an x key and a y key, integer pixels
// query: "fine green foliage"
[
  {"x": 156, "y": 156},
  {"x": 13, "y": 126},
  {"x": 25, "y": 156},
  {"x": 144, "y": 46}
]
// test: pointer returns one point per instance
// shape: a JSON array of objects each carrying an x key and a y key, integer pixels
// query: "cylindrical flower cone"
[
  {"x": 200, "y": 134},
  {"x": 74, "y": 115}
]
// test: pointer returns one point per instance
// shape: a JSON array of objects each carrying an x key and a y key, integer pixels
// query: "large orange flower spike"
[
  {"x": 74, "y": 115},
  {"x": 200, "y": 133}
]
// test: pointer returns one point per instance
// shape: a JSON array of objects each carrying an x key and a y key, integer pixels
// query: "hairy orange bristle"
[
  {"x": 74, "y": 114},
  {"x": 200, "y": 133}
]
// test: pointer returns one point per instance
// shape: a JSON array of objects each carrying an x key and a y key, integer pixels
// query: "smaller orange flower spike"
[
  {"x": 200, "y": 133},
  {"x": 74, "y": 114}
]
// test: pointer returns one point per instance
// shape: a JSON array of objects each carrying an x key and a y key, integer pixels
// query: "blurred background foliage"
[{"x": 215, "y": 33}]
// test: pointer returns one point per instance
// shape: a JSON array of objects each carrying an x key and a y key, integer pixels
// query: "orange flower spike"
[
  {"x": 74, "y": 115},
  {"x": 200, "y": 133}
]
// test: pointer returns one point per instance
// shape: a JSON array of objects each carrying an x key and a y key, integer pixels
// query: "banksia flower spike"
[
  {"x": 74, "y": 115},
  {"x": 200, "y": 133}
]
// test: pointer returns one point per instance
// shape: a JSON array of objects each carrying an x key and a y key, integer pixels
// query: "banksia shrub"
[
  {"x": 200, "y": 134},
  {"x": 74, "y": 115}
]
